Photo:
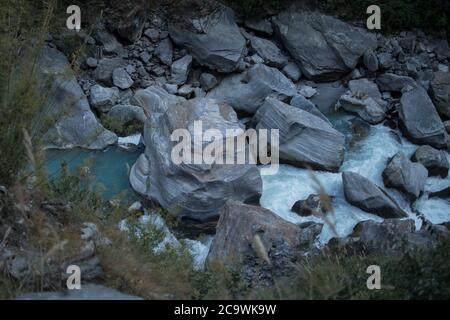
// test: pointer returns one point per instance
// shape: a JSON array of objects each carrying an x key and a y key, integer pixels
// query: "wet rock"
[
  {"x": 257, "y": 243},
  {"x": 434, "y": 160},
  {"x": 418, "y": 128},
  {"x": 444, "y": 193},
  {"x": 247, "y": 92},
  {"x": 313, "y": 205},
  {"x": 405, "y": 175},
  {"x": 122, "y": 79},
  {"x": 268, "y": 51},
  {"x": 393, "y": 82},
  {"x": 324, "y": 47},
  {"x": 305, "y": 140},
  {"x": 213, "y": 40},
  {"x": 440, "y": 92},
  {"x": 208, "y": 81},
  {"x": 367, "y": 196},
  {"x": 79, "y": 126},
  {"x": 194, "y": 191},
  {"x": 103, "y": 98},
  {"x": 180, "y": 70}
]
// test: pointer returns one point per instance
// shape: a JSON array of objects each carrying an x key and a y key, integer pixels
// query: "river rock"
[
  {"x": 393, "y": 82},
  {"x": 327, "y": 94},
  {"x": 103, "y": 98},
  {"x": 362, "y": 193},
  {"x": 292, "y": 71},
  {"x": 324, "y": 47},
  {"x": 122, "y": 79},
  {"x": 434, "y": 160},
  {"x": 269, "y": 51},
  {"x": 370, "y": 60},
  {"x": 213, "y": 40},
  {"x": 305, "y": 140},
  {"x": 257, "y": 243},
  {"x": 127, "y": 113},
  {"x": 440, "y": 92},
  {"x": 259, "y": 25},
  {"x": 154, "y": 99},
  {"x": 192, "y": 191},
  {"x": 208, "y": 81},
  {"x": 301, "y": 102},
  {"x": 247, "y": 92},
  {"x": 405, "y": 175},
  {"x": 419, "y": 119},
  {"x": 313, "y": 205},
  {"x": 106, "y": 66},
  {"x": 76, "y": 125},
  {"x": 180, "y": 70},
  {"x": 369, "y": 88},
  {"x": 364, "y": 106}
]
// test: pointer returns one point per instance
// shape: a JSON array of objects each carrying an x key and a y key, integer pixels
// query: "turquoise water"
[{"x": 109, "y": 167}]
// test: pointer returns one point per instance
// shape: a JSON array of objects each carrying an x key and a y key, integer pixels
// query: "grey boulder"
[
  {"x": 213, "y": 40},
  {"x": 247, "y": 92},
  {"x": 305, "y": 140},
  {"x": 104, "y": 71},
  {"x": 103, "y": 98},
  {"x": 405, "y": 175},
  {"x": 154, "y": 100},
  {"x": 269, "y": 51},
  {"x": 193, "y": 191},
  {"x": 440, "y": 92},
  {"x": 364, "y": 106},
  {"x": 292, "y": 71},
  {"x": 208, "y": 81},
  {"x": 180, "y": 70},
  {"x": 362, "y": 193},
  {"x": 419, "y": 119},
  {"x": 122, "y": 79},
  {"x": 394, "y": 82},
  {"x": 76, "y": 125},
  {"x": 164, "y": 51},
  {"x": 324, "y": 47},
  {"x": 127, "y": 113},
  {"x": 434, "y": 160},
  {"x": 301, "y": 102}
]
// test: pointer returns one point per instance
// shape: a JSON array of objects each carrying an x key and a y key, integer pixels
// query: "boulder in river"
[
  {"x": 247, "y": 92},
  {"x": 258, "y": 243},
  {"x": 189, "y": 190},
  {"x": 362, "y": 193},
  {"x": 419, "y": 119},
  {"x": 394, "y": 82},
  {"x": 305, "y": 140},
  {"x": 325, "y": 47},
  {"x": 76, "y": 124},
  {"x": 213, "y": 40},
  {"x": 408, "y": 176},
  {"x": 434, "y": 160},
  {"x": 154, "y": 99},
  {"x": 364, "y": 106},
  {"x": 313, "y": 205}
]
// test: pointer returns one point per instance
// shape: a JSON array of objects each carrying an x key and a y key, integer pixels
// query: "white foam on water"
[
  {"x": 134, "y": 139},
  {"x": 368, "y": 158}
]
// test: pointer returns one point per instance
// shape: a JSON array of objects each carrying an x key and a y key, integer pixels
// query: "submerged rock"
[
  {"x": 76, "y": 125},
  {"x": 405, "y": 175},
  {"x": 213, "y": 40},
  {"x": 367, "y": 196},
  {"x": 434, "y": 160},
  {"x": 305, "y": 140},
  {"x": 247, "y": 92},
  {"x": 324, "y": 47},
  {"x": 188, "y": 190},
  {"x": 419, "y": 119}
]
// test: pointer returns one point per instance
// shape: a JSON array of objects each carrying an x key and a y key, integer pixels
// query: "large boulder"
[
  {"x": 405, "y": 175},
  {"x": 102, "y": 98},
  {"x": 440, "y": 92},
  {"x": 305, "y": 140},
  {"x": 257, "y": 243},
  {"x": 394, "y": 82},
  {"x": 364, "y": 106},
  {"x": 154, "y": 99},
  {"x": 104, "y": 71},
  {"x": 301, "y": 102},
  {"x": 419, "y": 119},
  {"x": 269, "y": 51},
  {"x": 324, "y": 47},
  {"x": 76, "y": 125},
  {"x": 369, "y": 88},
  {"x": 313, "y": 205},
  {"x": 127, "y": 113},
  {"x": 180, "y": 70},
  {"x": 214, "y": 40},
  {"x": 362, "y": 193},
  {"x": 246, "y": 92},
  {"x": 188, "y": 190},
  {"x": 434, "y": 160}
]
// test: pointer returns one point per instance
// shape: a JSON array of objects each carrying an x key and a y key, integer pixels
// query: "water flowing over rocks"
[
  {"x": 305, "y": 140},
  {"x": 324, "y": 47}
]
